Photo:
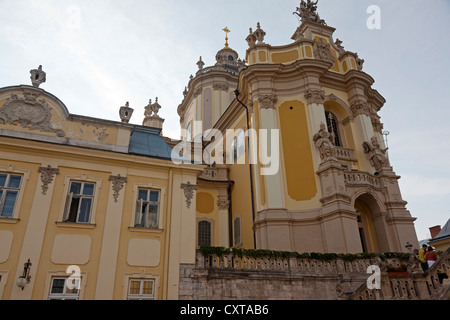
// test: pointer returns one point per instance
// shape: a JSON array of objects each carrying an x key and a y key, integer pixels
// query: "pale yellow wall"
[{"x": 100, "y": 255}]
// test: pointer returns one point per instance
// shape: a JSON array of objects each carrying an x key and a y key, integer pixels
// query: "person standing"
[
  {"x": 423, "y": 261},
  {"x": 430, "y": 256}
]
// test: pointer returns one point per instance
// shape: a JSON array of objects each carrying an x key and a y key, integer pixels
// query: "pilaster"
[
  {"x": 35, "y": 233},
  {"x": 111, "y": 237}
]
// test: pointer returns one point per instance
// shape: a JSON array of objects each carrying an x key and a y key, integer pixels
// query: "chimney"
[{"x": 434, "y": 231}]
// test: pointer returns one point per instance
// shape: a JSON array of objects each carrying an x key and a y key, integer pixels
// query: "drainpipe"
[{"x": 236, "y": 92}]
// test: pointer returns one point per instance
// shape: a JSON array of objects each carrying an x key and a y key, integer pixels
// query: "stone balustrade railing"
[
  {"x": 345, "y": 154},
  {"x": 362, "y": 178},
  {"x": 292, "y": 264},
  {"x": 417, "y": 285}
]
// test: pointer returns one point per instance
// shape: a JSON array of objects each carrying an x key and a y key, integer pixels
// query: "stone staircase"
[
  {"x": 416, "y": 285},
  {"x": 228, "y": 276}
]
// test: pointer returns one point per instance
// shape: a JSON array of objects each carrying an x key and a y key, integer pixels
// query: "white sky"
[{"x": 100, "y": 54}]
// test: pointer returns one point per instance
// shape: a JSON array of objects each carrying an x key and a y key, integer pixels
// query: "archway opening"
[{"x": 367, "y": 209}]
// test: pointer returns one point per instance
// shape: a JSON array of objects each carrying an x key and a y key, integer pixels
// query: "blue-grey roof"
[
  {"x": 147, "y": 141},
  {"x": 444, "y": 233}
]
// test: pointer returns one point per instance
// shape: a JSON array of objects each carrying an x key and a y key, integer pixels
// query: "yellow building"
[{"x": 106, "y": 203}]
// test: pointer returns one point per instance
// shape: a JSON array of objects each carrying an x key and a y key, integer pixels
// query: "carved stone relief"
[
  {"x": 47, "y": 175},
  {"x": 267, "y": 101},
  {"x": 188, "y": 192},
  {"x": 360, "y": 107},
  {"x": 118, "y": 183},
  {"x": 29, "y": 113},
  {"x": 223, "y": 203},
  {"x": 315, "y": 96},
  {"x": 322, "y": 51}
]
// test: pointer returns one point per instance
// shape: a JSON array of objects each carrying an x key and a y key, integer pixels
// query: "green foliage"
[{"x": 260, "y": 253}]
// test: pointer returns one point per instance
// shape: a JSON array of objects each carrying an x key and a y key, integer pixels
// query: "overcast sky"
[{"x": 100, "y": 54}]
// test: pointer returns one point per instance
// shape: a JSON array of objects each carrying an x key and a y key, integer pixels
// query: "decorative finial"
[
  {"x": 251, "y": 38},
  {"x": 37, "y": 77},
  {"x": 125, "y": 113},
  {"x": 226, "y": 36},
  {"x": 259, "y": 33},
  {"x": 200, "y": 64}
]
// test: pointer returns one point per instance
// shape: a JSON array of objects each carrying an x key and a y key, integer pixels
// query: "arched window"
[
  {"x": 332, "y": 126},
  {"x": 204, "y": 234}
]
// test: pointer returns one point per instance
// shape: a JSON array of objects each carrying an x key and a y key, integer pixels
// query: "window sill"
[
  {"x": 9, "y": 220},
  {"x": 145, "y": 230},
  {"x": 75, "y": 225}
]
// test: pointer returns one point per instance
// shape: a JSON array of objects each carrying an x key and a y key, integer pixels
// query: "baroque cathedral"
[{"x": 285, "y": 152}]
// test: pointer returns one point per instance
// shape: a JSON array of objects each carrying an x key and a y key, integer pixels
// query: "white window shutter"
[{"x": 67, "y": 206}]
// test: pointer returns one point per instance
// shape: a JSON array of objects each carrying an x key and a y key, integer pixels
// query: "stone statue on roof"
[{"x": 308, "y": 12}]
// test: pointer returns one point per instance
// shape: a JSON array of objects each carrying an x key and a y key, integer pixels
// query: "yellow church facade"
[{"x": 96, "y": 209}]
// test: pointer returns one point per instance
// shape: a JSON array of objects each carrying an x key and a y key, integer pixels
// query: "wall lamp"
[{"x": 24, "y": 279}]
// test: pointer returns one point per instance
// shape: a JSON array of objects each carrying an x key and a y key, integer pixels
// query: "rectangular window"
[
  {"x": 9, "y": 191},
  {"x": 79, "y": 202},
  {"x": 147, "y": 209},
  {"x": 60, "y": 291},
  {"x": 204, "y": 234},
  {"x": 237, "y": 231},
  {"x": 139, "y": 289}
]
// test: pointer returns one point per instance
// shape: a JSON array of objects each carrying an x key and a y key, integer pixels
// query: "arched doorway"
[{"x": 370, "y": 228}]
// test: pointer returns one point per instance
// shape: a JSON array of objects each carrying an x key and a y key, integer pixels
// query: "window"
[
  {"x": 238, "y": 145},
  {"x": 189, "y": 132},
  {"x": 234, "y": 149},
  {"x": 237, "y": 231},
  {"x": 60, "y": 291},
  {"x": 332, "y": 126},
  {"x": 141, "y": 289},
  {"x": 9, "y": 190},
  {"x": 204, "y": 234},
  {"x": 147, "y": 209},
  {"x": 79, "y": 202}
]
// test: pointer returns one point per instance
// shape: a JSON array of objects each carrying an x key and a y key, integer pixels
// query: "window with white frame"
[
  {"x": 147, "y": 209},
  {"x": 59, "y": 290},
  {"x": 79, "y": 202},
  {"x": 237, "y": 232},
  {"x": 141, "y": 289},
  {"x": 9, "y": 191}
]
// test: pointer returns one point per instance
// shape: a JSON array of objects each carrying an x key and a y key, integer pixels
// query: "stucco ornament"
[
  {"x": 188, "y": 192},
  {"x": 376, "y": 154},
  {"x": 29, "y": 113},
  {"x": 47, "y": 175},
  {"x": 324, "y": 142},
  {"x": 267, "y": 101},
  {"x": 118, "y": 183},
  {"x": 315, "y": 96},
  {"x": 308, "y": 12},
  {"x": 322, "y": 51}
]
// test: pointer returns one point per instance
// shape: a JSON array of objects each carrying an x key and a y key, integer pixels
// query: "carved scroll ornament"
[{"x": 29, "y": 113}]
